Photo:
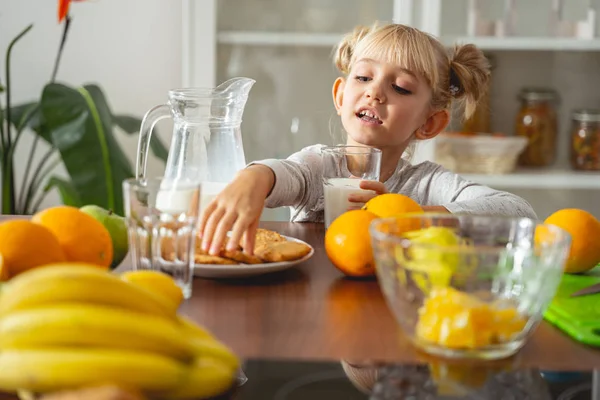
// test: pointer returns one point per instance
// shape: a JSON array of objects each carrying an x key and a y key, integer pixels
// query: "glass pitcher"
[{"x": 207, "y": 144}]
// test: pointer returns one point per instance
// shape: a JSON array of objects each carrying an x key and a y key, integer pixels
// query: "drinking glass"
[
  {"x": 343, "y": 169},
  {"x": 162, "y": 218}
]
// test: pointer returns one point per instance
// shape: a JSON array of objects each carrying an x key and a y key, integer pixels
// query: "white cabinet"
[{"x": 287, "y": 47}]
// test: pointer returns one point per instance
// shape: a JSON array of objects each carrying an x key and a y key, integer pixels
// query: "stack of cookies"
[{"x": 269, "y": 247}]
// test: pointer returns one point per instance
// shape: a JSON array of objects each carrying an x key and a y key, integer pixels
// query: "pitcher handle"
[{"x": 153, "y": 115}]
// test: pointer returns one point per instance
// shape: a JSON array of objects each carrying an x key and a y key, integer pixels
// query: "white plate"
[{"x": 248, "y": 270}]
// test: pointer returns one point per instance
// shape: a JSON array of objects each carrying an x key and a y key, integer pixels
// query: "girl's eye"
[
  {"x": 362, "y": 78},
  {"x": 401, "y": 90}
]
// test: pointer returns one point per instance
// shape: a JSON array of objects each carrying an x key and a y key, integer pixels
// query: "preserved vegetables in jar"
[
  {"x": 538, "y": 122},
  {"x": 585, "y": 140}
]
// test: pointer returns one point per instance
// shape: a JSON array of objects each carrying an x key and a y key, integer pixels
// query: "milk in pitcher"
[{"x": 180, "y": 200}]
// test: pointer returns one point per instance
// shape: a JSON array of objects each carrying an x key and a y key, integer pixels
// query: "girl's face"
[{"x": 382, "y": 105}]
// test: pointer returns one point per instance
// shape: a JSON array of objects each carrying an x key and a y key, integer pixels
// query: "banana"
[
  {"x": 62, "y": 369},
  {"x": 74, "y": 282},
  {"x": 205, "y": 344},
  {"x": 90, "y": 325},
  {"x": 207, "y": 378},
  {"x": 193, "y": 329},
  {"x": 212, "y": 348}
]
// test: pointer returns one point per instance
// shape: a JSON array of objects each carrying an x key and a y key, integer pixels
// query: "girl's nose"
[{"x": 375, "y": 92}]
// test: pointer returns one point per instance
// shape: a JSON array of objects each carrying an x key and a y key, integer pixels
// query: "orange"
[
  {"x": 391, "y": 205},
  {"x": 348, "y": 243},
  {"x": 156, "y": 281},
  {"x": 4, "y": 276},
  {"x": 25, "y": 245},
  {"x": 584, "y": 229},
  {"x": 81, "y": 236},
  {"x": 458, "y": 320}
]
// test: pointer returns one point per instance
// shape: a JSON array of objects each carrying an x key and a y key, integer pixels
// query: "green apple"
[{"x": 116, "y": 226}]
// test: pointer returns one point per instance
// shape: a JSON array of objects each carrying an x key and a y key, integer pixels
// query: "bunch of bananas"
[{"x": 70, "y": 326}]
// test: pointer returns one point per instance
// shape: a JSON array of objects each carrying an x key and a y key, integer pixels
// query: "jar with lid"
[
  {"x": 585, "y": 140},
  {"x": 537, "y": 121}
]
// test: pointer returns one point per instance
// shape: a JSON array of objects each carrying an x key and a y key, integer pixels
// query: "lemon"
[
  {"x": 432, "y": 266},
  {"x": 157, "y": 282}
]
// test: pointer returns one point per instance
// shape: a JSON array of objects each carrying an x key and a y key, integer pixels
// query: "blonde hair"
[{"x": 461, "y": 74}]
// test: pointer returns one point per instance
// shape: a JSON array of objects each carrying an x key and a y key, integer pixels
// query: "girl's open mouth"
[{"x": 369, "y": 117}]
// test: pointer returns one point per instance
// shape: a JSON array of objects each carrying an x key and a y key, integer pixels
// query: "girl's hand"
[
  {"x": 375, "y": 188},
  {"x": 237, "y": 208},
  {"x": 437, "y": 209}
]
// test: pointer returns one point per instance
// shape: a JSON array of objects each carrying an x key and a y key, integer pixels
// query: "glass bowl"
[{"x": 468, "y": 286}]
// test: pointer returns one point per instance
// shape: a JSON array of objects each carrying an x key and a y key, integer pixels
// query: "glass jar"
[
  {"x": 537, "y": 121},
  {"x": 480, "y": 121},
  {"x": 585, "y": 140}
]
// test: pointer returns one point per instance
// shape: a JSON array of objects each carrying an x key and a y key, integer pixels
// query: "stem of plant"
[
  {"x": 22, "y": 199},
  {"x": 25, "y": 197},
  {"x": 35, "y": 178},
  {"x": 1, "y": 136},
  {"x": 21, "y": 125},
  {"x": 20, "y": 206},
  {"x": 44, "y": 192},
  {"x": 63, "y": 40},
  {"x": 8, "y": 176}
]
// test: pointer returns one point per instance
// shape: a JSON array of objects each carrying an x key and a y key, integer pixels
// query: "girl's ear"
[
  {"x": 338, "y": 93},
  {"x": 435, "y": 124}
]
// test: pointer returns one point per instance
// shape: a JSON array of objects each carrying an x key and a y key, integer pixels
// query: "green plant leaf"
[
  {"x": 30, "y": 115},
  {"x": 80, "y": 124},
  {"x": 132, "y": 125},
  {"x": 67, "y": 191},
  {"x": 2, "y": 89}
]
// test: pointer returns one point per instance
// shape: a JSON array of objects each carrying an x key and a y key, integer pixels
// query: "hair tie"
[{"x": 455, "y": 86}]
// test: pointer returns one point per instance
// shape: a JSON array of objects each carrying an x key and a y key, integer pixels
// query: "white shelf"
[
  {"x": 527, "y": 43},
  {"x": 278, "y": 38},
  {"x": 544, "y": 179},
  {"x": 258, "y": 38}
]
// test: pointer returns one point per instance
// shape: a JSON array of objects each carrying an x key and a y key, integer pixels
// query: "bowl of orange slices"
[{"x": 468, "y": 286}]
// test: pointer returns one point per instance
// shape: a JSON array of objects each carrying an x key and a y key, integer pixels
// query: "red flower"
[{"x": 63, "y": 8}]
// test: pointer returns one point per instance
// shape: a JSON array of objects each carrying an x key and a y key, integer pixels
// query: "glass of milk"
[
  {"x": 162, "y": 218},
  {"x": 343, "y": 169}
]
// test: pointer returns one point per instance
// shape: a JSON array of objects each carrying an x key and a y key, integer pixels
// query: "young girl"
[{"x": 398, "y": 86}]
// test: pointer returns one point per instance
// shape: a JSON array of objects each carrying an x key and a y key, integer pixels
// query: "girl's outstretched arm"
[
  {"x": 295, "y": 181},
  {"x": 440, "y": 187},
  {"x": 298, "y": 181}
]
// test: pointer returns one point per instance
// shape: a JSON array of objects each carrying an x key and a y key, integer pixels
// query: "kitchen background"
[{"x": 138, "y": 49}]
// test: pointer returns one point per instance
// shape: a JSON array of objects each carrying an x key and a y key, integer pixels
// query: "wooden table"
[{"x": 314, "y": 312}]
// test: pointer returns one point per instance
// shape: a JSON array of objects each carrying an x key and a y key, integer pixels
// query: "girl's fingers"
[
  {"x": 221, "y": 233},
  {"x": 360, "y": 197},
  {"x": 210, "y": 227},
  {"x": 239, "y": 227},
  {"x": 358, "y": 206},
  {"x": 206, "y": 213},
  {"x": 250, "y": 237},
  {"x": 375, "y": 186}
]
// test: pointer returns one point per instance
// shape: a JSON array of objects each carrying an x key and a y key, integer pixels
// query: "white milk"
[
  {"x": 209, "y": 191},
  {"x": 336, "y": 191},
  {"x": 175, "y": 201},
  {"x": 180, "y": 200}
]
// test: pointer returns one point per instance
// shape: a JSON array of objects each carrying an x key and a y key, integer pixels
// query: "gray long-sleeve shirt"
[{"x": 299, "y": 185}]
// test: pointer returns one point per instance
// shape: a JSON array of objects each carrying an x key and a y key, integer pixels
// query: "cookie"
[
  {"x": 283, "y": 251},
  {"x": 240, "y": 256},
  {"x": 264, "y": 238},
  {"x": 207, "y": 259},
  {"x": 267, "y": 236},
  {"x": 235, "y": 255}
]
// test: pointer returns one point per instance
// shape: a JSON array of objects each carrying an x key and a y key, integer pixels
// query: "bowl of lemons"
[{"x": 468, "y": 286}]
